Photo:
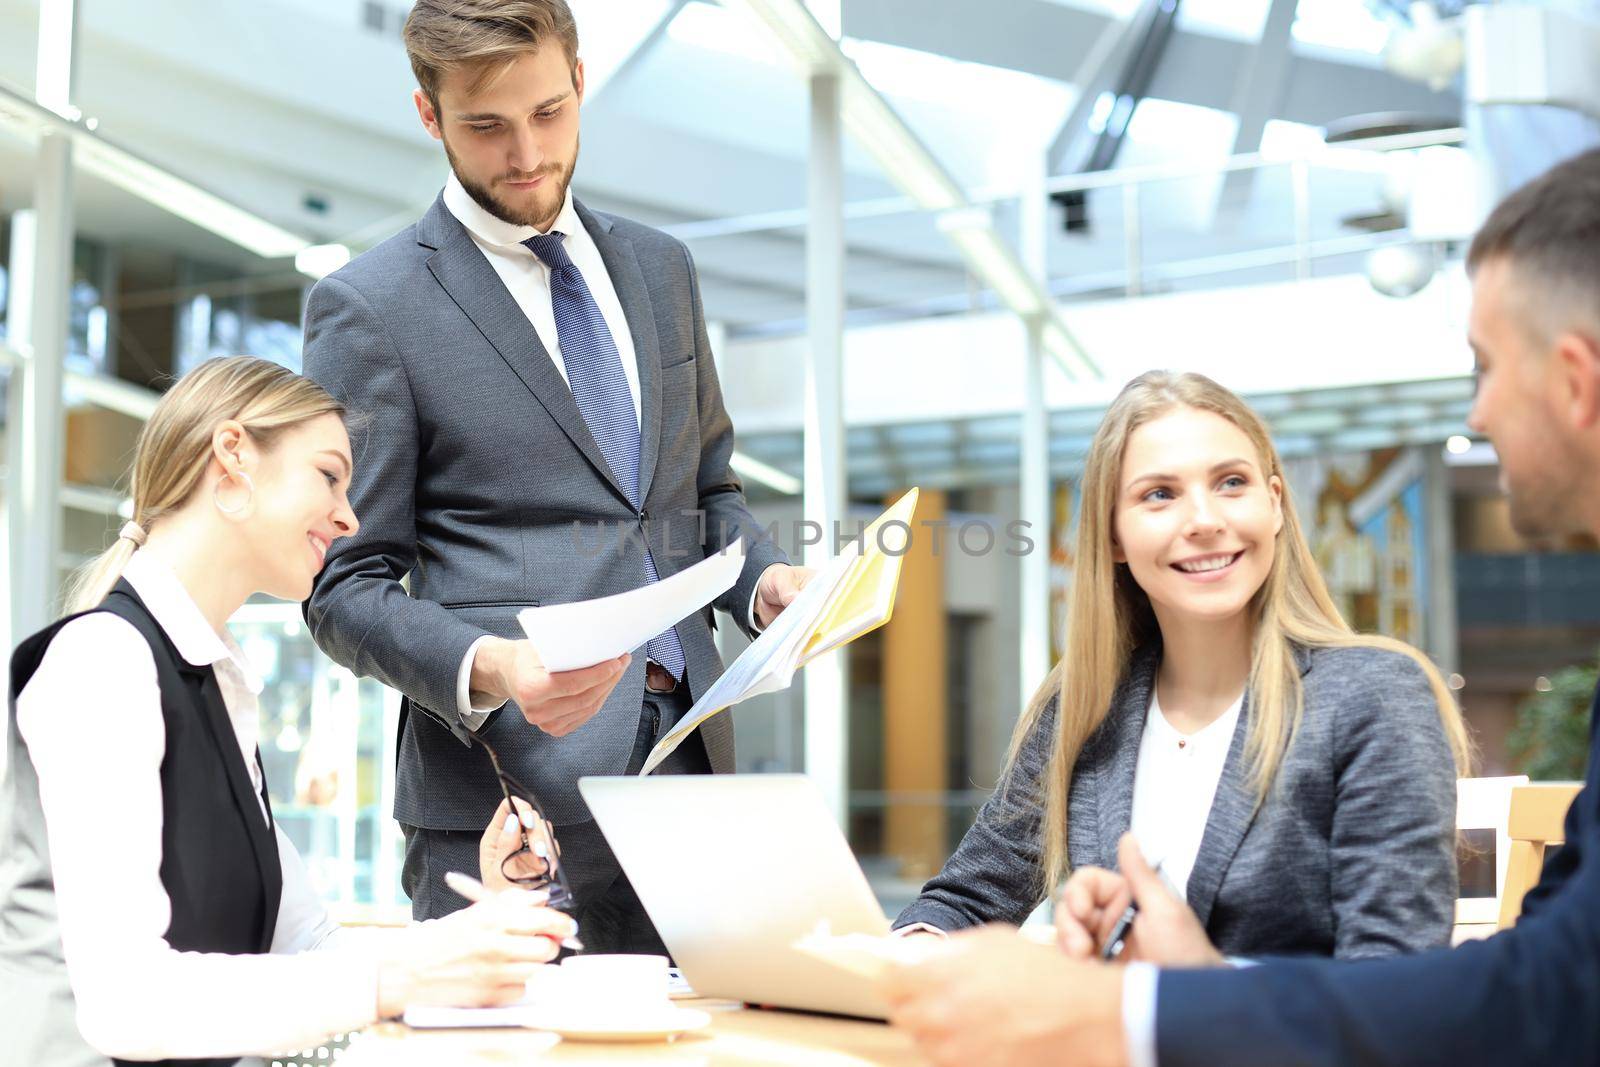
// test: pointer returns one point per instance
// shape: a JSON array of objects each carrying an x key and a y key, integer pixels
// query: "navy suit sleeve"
[{"x": 1530, "y": 994}]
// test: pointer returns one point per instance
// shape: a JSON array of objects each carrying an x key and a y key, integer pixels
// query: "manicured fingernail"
[
  {"x": 511, "y": 824},
  {"x": 527, "y": 820},
  {"x": 539, "y": 850}
]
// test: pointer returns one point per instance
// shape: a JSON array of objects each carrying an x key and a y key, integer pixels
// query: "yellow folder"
[{"x": 865, "y": 599}]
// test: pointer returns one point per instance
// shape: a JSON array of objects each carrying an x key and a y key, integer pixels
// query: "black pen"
[{"x": 1119, "y": 933}]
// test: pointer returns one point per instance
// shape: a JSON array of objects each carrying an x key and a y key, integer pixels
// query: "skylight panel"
[
  {"x": 1344, "y": 25},
  {"x": 610, "y": 31}
]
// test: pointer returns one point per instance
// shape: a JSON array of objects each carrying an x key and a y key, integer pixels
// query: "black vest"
[{"x": 219, "y": 857}]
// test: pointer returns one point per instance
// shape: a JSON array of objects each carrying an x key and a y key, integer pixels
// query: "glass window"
[
  {"x": 5, "y": 276},
  {"x": 230, "y": 317},
  {"x": 328, "y": 750},
  {"x": 88, "y": 329}
]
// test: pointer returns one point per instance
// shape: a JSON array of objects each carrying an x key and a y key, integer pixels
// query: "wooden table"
[{"x": 737, "y": 1036}]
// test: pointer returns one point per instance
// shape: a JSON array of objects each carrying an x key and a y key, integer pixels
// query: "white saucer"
[{"x": 654, "y": 1026}]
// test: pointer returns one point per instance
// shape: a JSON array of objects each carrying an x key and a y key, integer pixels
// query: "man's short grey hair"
[{"x": 1548, "y": 231}]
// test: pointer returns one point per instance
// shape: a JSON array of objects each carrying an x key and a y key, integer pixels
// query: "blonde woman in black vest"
[{"x": 142, "y": 878}]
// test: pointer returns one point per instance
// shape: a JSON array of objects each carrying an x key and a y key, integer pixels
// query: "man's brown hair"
[
  {"x": 484, "y": 36},
  {"x": 1549, "y": 231}
]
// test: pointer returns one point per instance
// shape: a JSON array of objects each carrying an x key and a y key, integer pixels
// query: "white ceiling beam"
[
  {"x": 1258, "y": 94},
  {"x": 908, "y": 163},
  {"x": 1095, "y": 75},
  {"x": 1052, "y": 40}
]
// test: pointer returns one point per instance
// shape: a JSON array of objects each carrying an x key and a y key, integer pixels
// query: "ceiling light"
[
  {"x": 1400, "y": 270},
  {"x": 319, "y": 261},
  {"x": 1458, "y": 445},
  {"x": 765, "y": 473},
  {"x": 151, "y": 183},
  {"x": 180, "y": 197}
]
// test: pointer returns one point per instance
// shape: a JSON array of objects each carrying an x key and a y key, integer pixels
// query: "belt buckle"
[{"x": 657, "y": 679}]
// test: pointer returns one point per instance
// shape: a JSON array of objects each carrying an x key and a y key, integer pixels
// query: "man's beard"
[
  {"x": 557, "y": 179},
  {"x": 1543, "y": 507}
]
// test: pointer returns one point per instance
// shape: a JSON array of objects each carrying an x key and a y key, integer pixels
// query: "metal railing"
[{"x": 1139, "y": 268}]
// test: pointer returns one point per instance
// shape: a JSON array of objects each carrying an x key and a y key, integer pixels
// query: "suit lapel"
[
  {"x": 459, "y": 266},
  {"x": 627, "y": 277},
  {"x": 1123, "y": 730},
  {"x": 1232, "y": 812}
]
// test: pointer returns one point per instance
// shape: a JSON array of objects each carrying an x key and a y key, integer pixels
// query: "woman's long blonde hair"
[
  {"x": 1109, "y": 616},
  {"x": 174, "y": 448}
]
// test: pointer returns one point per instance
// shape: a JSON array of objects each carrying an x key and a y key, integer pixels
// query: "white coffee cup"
[{"x": 611, "y": 987}]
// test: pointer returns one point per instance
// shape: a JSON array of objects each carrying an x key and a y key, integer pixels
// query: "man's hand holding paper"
[
  {"x": 557, "y": 702},
  {"x": 575, "y": 654},
  {"x": 852, "y": 594},
  {"x": 779, "y": 585}
]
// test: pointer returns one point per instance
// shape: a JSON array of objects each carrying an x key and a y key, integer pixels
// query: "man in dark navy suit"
[{"x": 1530, "y": 994}]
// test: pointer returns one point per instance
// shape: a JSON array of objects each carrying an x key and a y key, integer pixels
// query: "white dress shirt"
[
  {"x": 528, "y": 280},
  {"x": 1174, "y": 786},
  {"x": 91, "y": 716}
]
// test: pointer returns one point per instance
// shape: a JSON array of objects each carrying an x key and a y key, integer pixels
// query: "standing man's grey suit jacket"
[
  {"x": 1352, "y": 854},
  {"x": 471, "y": 472}
]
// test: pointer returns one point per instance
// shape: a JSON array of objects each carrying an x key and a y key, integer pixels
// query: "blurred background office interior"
[{"x": 934, "y": 237}]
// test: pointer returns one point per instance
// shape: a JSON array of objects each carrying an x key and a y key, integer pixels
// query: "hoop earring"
[{"x": 250, "y": 492}]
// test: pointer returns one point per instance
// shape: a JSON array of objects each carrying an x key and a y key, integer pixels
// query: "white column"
[
  {"x": 37, "y": 431},
  {"x": 1034, "y": 639},
  {"x": 19, "y": 333},
  {"x": 1442, "y": 621},
  {"x": 826, "y": 753}
]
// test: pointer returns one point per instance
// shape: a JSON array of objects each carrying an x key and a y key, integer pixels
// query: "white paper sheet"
[
  {"x": 571, "y": 636},
  {"x": 769, "y": 663}
]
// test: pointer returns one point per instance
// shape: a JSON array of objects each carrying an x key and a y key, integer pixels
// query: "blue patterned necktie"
[{"x": 594, "y": 371}]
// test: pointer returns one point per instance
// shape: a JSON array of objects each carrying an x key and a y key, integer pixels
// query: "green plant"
[{"x": 1551, "y": 739}]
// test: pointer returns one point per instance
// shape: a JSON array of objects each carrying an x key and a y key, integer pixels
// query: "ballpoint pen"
[
  {"x": 475, "y": 891},
  {"x": 1119, "y": 933}
]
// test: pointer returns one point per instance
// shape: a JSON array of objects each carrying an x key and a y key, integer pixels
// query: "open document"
[
  {"x": 853, "y": 594},
  {"x": 570, "y": 636}
]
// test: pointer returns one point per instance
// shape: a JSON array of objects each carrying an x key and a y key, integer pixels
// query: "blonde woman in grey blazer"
[{"x": 1295, "y": 780}]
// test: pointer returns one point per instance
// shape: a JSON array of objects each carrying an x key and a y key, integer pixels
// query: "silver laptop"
[{"x": 733, "y": 869}]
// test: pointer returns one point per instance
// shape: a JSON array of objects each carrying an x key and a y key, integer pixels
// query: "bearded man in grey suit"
[{"x": 543, "y": 425}]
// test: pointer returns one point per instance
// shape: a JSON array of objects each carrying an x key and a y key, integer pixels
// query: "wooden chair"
[
  {"x": 1535, "y": 820},
  {"x": 1484, "y": 804}
]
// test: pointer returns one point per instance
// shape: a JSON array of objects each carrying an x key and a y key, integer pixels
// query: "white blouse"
[
  {"x": 91, "y": 716},
  {"x": 1174, "y": 784}
]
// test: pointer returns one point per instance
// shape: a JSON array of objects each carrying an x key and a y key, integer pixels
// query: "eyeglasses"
[{"x": 550, "y": 878}]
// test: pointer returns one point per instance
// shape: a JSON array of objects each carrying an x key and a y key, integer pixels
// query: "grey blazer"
[
  {"x": 477, "y": 477},
  {"x": 1352, "y": 854}
]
